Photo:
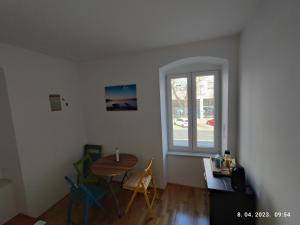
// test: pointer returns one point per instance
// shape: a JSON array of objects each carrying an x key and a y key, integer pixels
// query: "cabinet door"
[{"x": 224, "y": 207}]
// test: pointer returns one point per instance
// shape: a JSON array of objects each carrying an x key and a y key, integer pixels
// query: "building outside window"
[{"x": 193, "y": 112}]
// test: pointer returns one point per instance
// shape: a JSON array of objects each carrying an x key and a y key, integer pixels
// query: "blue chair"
[{"x": 89, "y": 195}]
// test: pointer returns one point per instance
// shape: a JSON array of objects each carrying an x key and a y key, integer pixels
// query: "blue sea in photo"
[{"x": 121, "y": 97}]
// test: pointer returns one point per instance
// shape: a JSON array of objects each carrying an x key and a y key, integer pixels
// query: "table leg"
[
  {"x": 115, "y": 197},
  {"x": 123, "y": 179}
]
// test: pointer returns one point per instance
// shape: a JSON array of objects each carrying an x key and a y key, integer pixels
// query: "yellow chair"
[{"x": 139, "y": 183}]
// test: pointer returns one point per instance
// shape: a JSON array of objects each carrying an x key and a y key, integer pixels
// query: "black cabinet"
[{"x": 226, "y": 206}]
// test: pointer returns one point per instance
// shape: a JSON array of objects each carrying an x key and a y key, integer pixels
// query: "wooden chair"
[{"x": 139, "y": 183}]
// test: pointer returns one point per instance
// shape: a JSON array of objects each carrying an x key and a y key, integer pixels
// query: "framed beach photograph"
[{"x": 121, "y": 97}]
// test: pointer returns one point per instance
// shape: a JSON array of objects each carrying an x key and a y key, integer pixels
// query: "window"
[{"x": 193, "y": 112}]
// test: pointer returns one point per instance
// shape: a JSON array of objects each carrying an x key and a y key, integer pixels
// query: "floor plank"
[{"x": 177, "y": 205}]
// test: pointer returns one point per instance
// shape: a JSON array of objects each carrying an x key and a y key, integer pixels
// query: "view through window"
[
  {"x": 180, "y": 111},
  {"x": 192, "y": 111}
]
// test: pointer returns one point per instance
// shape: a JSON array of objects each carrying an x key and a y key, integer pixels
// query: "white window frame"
[{"x": 192, "y": 117}]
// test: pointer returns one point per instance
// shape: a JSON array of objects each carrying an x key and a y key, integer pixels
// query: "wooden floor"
[{"x": 177, "y": 205}]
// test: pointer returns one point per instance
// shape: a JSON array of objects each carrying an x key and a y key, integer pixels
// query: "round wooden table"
[{"x": 109, "y": 167}]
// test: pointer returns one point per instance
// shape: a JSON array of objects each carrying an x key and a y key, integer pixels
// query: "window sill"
[{"x": 192, "y": 154}]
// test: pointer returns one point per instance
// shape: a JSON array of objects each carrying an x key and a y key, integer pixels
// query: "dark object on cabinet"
[
  {"x": 238, "y": 179},
  {"x": 227, "y": 206}
]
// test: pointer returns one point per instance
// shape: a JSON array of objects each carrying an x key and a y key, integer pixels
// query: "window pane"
[
  {"x": 205, "y": 108},
  {"x": 179, "y": 112}
]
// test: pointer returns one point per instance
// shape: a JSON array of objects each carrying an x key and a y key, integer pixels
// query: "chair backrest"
[
  {"x": 80, "y": 192},
  {"x": 75, "y": 192},
  {"x": 147, "y": 175},
  {"x": 72, "y": 184},
  {"x": 80, "y": 165},
  {"x": 148, "y": 169},
  {"x": 95, "y": 151}
]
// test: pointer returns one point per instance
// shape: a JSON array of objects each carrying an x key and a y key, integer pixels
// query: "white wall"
[
  {"x": 8, "y": 206},
  {"x": 269, "y": 107},
  {"x": 139, "y": 132},
  {"x": 186, "y": 170},
  {"x": 47, "y": 142},
  {"x": 9, "y": 161}
]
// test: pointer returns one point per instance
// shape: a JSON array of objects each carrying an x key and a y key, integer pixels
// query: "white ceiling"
[{"x": 88, "y": 29}]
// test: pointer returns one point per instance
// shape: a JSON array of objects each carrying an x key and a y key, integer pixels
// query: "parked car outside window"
[
  {"x": 211, "y": 122},
  {"x": 182, "y": 122}
]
